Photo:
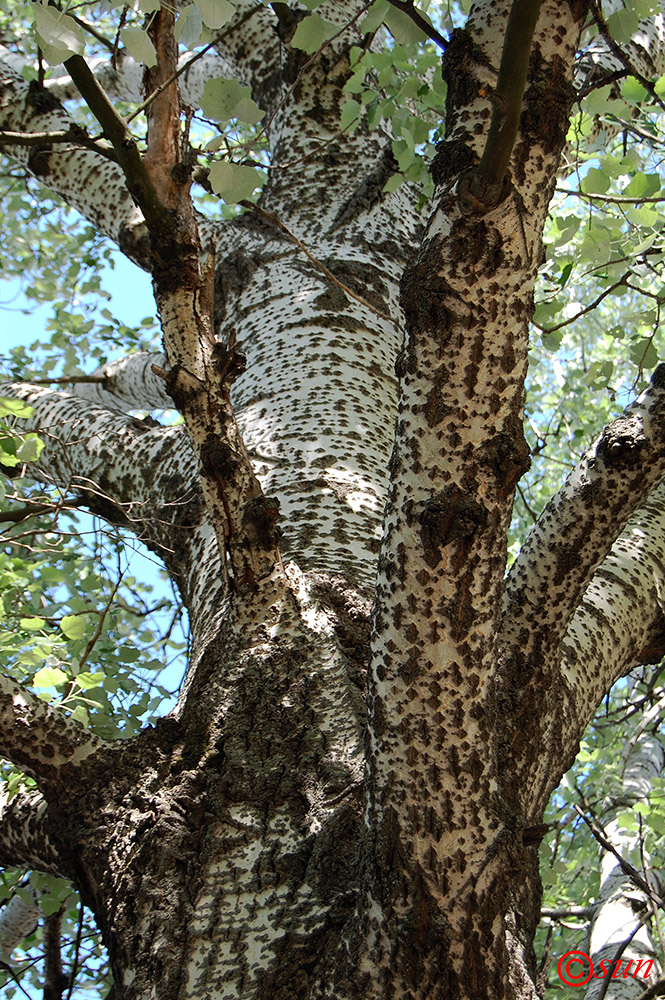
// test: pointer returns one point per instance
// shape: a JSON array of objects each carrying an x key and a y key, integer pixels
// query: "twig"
[
  {"x": 93, "y": 31},
  {"x": 566, "y": 322},
  {"x": 317, "y": 263},
  {"x": 77, "y": 951},
  {"x": 73, "y": 135},
  {"x": 25, "y": 512},
  {"x": 69, "y": 380},
  {"x": 407, "y": 7},
  {"x": 613, "y": 199}
]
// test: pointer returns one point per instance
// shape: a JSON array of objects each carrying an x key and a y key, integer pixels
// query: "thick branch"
[
  {"x": 576, "y": 530},
  {"x": 127, "y": 384},
  {"x": 39, "y": 739},
  {"x": 86, "y": 180},
  {"x": 18, "y": 919},
  {"x": 546, "y": 702},
  {"x": 24, "y": 841},
  {"x": 133, "y": 473}
]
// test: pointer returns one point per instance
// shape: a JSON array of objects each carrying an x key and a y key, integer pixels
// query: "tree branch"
[
  {"x": 118, "y": 132},
  {"x": 133, "y": 473},
  {"x": 577, "y": 528},
  {"x": 75, "y": 136},
  {"x": 622, "y": 55},
  {"x": 40, "y": 739},
  {"x": 485, "y": 186},
  {"x": 408, "y": 8},
  {"x": 127, "y": 384},
  {"x": 24, "y": 840},
  {"x": 55, "y": 982},
  {"x": 85, "y": 179},
  {"x": 625, "y": 865}
]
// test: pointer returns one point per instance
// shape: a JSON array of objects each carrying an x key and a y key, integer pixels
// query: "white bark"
[
  {"x": 624, "y": 913},
  {"x": 128, "y": 384},
  {"x": 86, "y": 180},
  {"x": 39, "y": 738},
  {"x": 24, "y": 840},
  {"x": 136, "y": 474},
  {"x": 19, "y": 918},
  {"x": 573, "y": 534}
]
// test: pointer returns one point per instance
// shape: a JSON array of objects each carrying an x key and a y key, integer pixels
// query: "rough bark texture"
[{"x": 345, "y": 804}]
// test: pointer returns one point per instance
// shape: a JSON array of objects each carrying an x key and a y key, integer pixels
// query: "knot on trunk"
[{"x": 446, "y": 516}]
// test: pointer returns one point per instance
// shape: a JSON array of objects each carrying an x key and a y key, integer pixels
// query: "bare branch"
[
  {"x": 625, "y": 865},
  {"x": 74, "y": 136}
]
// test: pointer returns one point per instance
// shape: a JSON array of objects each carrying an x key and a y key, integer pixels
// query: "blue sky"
[{"x": 131, "y": 301}]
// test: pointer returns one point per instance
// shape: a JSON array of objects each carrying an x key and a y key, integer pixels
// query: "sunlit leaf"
[{"x": 49, "y": 677}]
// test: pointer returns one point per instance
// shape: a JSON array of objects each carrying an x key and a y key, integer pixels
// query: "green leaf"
[
  {"x": 49, "y": 677},
  {"x": 215, "y": 13},
  {"x": 189, "y": 26},
  {"x": 139, "y": 46},
  {"x": 552, "y": 341},
  {"x": 80, "y": 713},
  {"x": 402, "y": 28},
  {"x": 32, "y": 623},
  {"x": 30, "y": 448},
  {"x": 224, "y": 99},
  {"x": 59, "y": 35},
  {"x": 623, "y": 24},
  {"x": 633, "y": 91},
  {"x": 233, "y": 182},
  {"x": 87, "y": 680},
  {"x": 643, "y": 353},
  {"x": 595, "y": 182},
  {"x": 393, "y": 183},
  {"x": 642, "y": 185},
  {"x": 74, "y": 626},
  {"x": 312, "y": 32},
  {"x": 15, "y": 408},
  {"x": 375, "y": 16},
  {"x": 350, "y": 113}
]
